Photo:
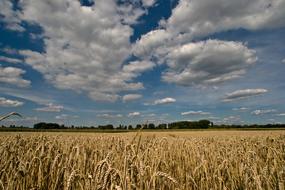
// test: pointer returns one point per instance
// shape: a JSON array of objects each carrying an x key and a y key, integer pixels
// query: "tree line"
[{"x": 201, "y": 124}]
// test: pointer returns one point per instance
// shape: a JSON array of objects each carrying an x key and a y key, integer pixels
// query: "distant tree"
[
  {"x": 130, "y": 127},
  {"x": 119, "y": 127},
  {"x": 106, "y": 126},
  {"x": 204, "y": 124},
  {"x": 151, "y": 126},
  {"x": 43, "y": 125},
  {"x": 139, "y": 126},
  {"x": 179, "y": 125},
  {"x": 162, "y": 126}
]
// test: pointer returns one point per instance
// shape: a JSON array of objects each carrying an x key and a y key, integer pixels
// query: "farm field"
[{"x": 152, "y": 160}]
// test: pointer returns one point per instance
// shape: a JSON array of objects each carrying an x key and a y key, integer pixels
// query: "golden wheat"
[{"x": 189, "y": 160}]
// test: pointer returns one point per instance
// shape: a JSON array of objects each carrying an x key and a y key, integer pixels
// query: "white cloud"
[
  {"x": 240, "y": 109},
  {"x": 10, "y": 16},
  {"x": 50, "y": 108},
  {"x": 208, "y": 62},
  {"x": 195, "y": 113},
  {"x": 109, "y": 116},
  {"x": 232, "y": 119},
  {"x": 136, "y": 67},
  {"x": 86, "y": 47},
  {"x": 13, "y": 76},
  {"x": 10, "y": 60},
  {"x": 281, "y": 114},
  {"x": 131, "y": 97},
  {"x": 167, "y": 100},
  {"x": 245, "y": 93},
  {"x": 150, "y": 115},
  {"x": 211, "y": 61},
  {"x": 213, "y": 118},
  {"x": 262, "y": 112},
  {"x": 38, "y": 97},
  {"x": 148, "y": 43},
  {"x": 148, "y": 3},
  {"x": 9, "y": 50},
  {"x": 65, "y": 117},
  {"x": 99, "y": 96},
  {"x": 130, "y": 11},
  {"x": 61, "y": 117},
  {"x": 133, "y": 114},
  {"x": 198, "y": 18},
  {"x": 283, "y": 61},
  {"x": 9, "y": 103}
]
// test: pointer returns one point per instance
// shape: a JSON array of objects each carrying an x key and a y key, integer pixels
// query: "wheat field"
[{"x": 160, "y": 160}]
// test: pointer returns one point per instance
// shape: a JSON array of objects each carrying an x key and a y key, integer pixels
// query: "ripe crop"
[{"x": 190, "y": 160}]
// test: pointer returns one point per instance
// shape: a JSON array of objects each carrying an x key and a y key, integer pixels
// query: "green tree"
[{"x": 151, "y": 126}]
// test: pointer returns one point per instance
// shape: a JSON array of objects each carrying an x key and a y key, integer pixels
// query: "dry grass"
[{"x": 188, "y": 160}]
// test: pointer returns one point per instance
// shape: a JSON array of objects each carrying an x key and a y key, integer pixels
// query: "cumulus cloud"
[
  {"x": 167, "y": 100},
  {"x": 148, "y": 43},
  {"x": 9, "y": 103},
  {"x": 262, "y": 112},
  {"x": 134, "y": 114},
  {"x": 240, "y": 109},
  {"x": 10, "y": 16},
  {"x": 101, "y": 96},
  {"x": 86, "y": 47},
  {"x": 131, "y": 97},
  {"x": 245, "y": 93},
  {"x": 13, "y": 76},
  {"x": 10, "y": 60},
  {"x": 231, "y": 119},
  {"x": 208, "y": 62},
  {"x": 9, "y": 50},
  {"x": 150, "y": 115},
  {"x": 28, "y": 94},
  {"x": 131, "y": 10},
  {"x": 148, "y": 3},
  {"x": 50, "y": 108},
  {"x": 136, "y": 67},
  {"x": 65, "y": 117},
  {"x": 110, "y": 116},
  {"x": 195, "y": 113},
  {"x": 213, "y": 118},
  {"x": 198, "y": 18}
]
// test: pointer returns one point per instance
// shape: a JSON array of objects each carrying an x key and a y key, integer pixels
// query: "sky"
[{"x": 93, "y": 62}]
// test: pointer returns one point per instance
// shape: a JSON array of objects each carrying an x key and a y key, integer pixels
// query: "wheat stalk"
[{"x": 9, "y": 115}]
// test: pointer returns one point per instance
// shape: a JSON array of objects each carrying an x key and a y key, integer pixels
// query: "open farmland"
[{"x": 162, "y": 160}]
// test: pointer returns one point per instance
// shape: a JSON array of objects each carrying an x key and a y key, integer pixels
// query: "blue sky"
[{"x": 121, "y": 61}]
